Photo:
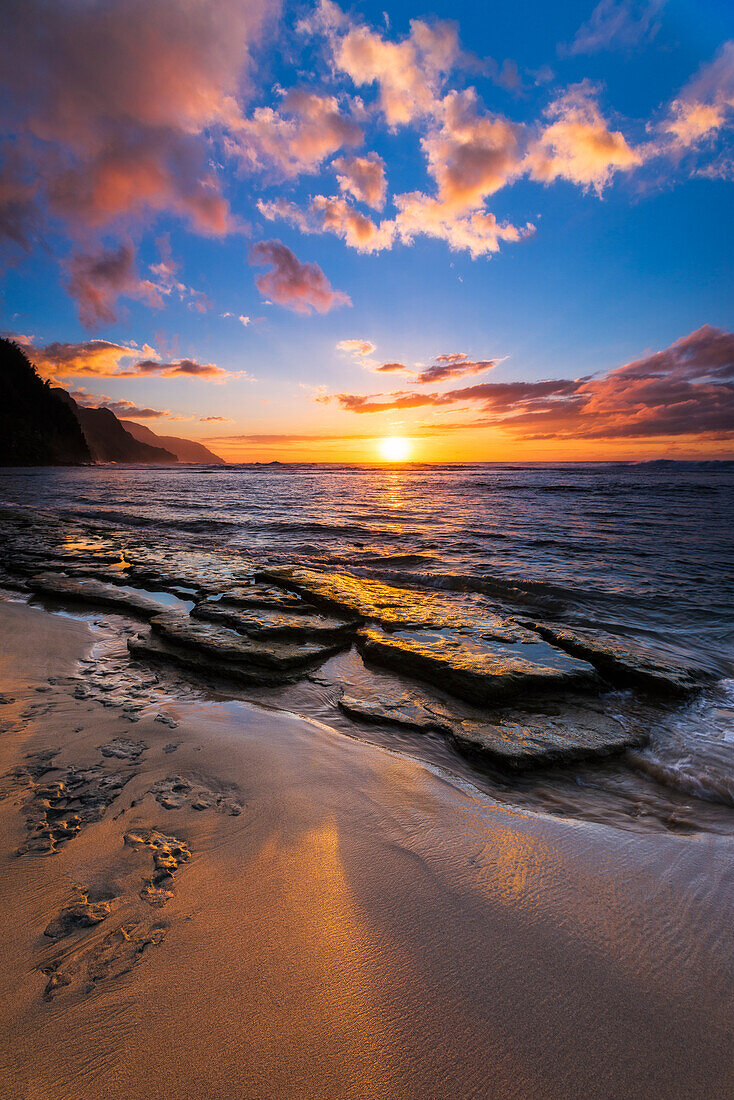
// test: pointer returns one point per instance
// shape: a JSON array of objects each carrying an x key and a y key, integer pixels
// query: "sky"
[{"x": 500, "y": 232}]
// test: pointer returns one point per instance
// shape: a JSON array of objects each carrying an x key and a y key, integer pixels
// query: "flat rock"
[
  {"x": 476, "y": 669},
  {"x": 262, "y": 595},
  {"x": 561, "y": 732},
  {"x": 532, "y": 740},
  {"x": 150, "y": 647},
  {"x": 226, "y": 645},
  {"x": 625, "y": 662},
  {"x": 262, "y": 623},
  {"x": 388, "y": 605},
  {"x": 90, "y": 591}
]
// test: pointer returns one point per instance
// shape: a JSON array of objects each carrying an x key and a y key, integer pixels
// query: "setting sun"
[{"x": 394, "y": 449}]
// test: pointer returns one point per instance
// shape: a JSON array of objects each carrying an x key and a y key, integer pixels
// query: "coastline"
[{"x": 347, "y": 921}]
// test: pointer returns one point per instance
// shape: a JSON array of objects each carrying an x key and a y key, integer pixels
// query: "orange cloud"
[
  {"x": 478, "y": 232},
  {"x": 409, "y": 74},
  {"x": 333, "y": 215},
  {"x": 704, "y": 106},
  {"x": 578, "y": 145},
  {"x": 104, "y": 359},
  {"x": 363, "y": 178},
  {"x": 301, "y": 287},
  {"x": 684, "y": 390},
  {"x": 297, "y": 138},
  {"x": 472, "y": 155}
]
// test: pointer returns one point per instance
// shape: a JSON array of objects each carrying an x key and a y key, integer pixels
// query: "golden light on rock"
[{"x": 394, "y": 449}]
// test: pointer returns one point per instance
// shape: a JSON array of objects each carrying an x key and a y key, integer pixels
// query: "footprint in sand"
[
  {"x": 176, "y": 791},
  {"x": 57, "y": 811},
  {"x": 96, "y": 956},
  {"x": 114, "y": 955},
  {"x": 121, "y": 748},
  {"x": 168, "y": 854}
]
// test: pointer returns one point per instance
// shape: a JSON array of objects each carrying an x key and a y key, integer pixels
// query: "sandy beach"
[{"x": 254, "y": 905}]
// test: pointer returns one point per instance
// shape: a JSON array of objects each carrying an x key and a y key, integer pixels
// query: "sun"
[{"x": 394, "y": 449}]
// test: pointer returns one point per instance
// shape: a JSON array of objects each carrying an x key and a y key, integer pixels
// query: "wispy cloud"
[
  {"x": 301, "y": 287},
  {"x": 686, "y": 389},
  {"x": 614, "y": 25}
]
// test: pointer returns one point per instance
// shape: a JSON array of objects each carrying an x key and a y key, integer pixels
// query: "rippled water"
[{"x": 644, "y": 550}]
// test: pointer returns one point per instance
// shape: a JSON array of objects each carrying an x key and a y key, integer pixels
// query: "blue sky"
[{"x": 598, "y": 137}]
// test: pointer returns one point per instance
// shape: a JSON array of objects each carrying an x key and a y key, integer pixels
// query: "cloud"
[
  {"x": 357, "y": 348},
  {"x": 96, "y": 281},
  {"x": 389, "y": 368},
  {"x": 215, "y": 419},
  {"x": 363, "y": 178},
  {"x": 477, "y": 232},
  {"x": 332, "y": 215},
  {"x": 116, "y": 101},
  {"x": 105, "y": 359},
  {"x": 96, "y": 358},
  {"x": 455, "y": 365},
  {"x": 295, "y": 139},
  {"x": 473, "y": 153},
  {"x": 577, "y": 144},
  {"x": 177, "y": 368},
  {"x": 685, "y": 390},
  {"x": 616, "y": 24},
  {"x": 168, "y": 283},
  {"x": 301, "y": 287},
  {"x": 120, "y": 407},
  {"x": 704, "y": 106},
  {"x": 409, "y": 74}
]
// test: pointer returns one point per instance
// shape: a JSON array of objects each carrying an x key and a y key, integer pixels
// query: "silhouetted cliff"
[
  {"x": 107, "y": 439},
  {"x": 185, "y": 450},
  {"x": 36, "y": 427}
]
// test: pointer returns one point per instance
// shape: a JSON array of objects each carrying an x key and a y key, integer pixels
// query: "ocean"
[{"x": 643, "y": 551}]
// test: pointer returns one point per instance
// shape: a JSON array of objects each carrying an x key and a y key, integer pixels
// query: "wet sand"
[{"x": 258, "y": 906}]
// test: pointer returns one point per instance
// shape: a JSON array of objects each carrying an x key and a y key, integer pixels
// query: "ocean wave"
[{"x": 686, "y": 776}]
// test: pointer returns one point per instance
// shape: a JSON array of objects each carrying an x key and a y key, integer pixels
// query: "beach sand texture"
[{"x": 235, "y": 902}]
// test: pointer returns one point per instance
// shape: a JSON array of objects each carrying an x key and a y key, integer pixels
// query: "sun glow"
[{"x": 394, "y": 449}]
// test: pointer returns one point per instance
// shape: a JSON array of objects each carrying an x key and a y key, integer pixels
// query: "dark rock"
[
  {"x": 94, "y": 592},
  {"x": 262, "y": 595},
  {"x": 394, "y": 608},
  {"x": 228, "y": 647},
  {"x": 261, "y": 623},
  {"x": 625, "y": 662},
  {"x": 559, "y": 731},
  {"x": 475, "y": 668},
  {"x": 36, "y": 426}
]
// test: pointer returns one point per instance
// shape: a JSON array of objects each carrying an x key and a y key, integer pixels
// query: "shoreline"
[{"x": 342, "y": 921}]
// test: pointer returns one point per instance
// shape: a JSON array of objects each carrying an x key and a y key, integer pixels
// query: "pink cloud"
[
  {"x": 96, "y": 281},
  {"x": 473, "y": 153},
  {"x": 363, "y": 178},
  {"x": 686, "y": 389},
  {"x": 116, "y": 101},
  {"x": 455, "y": 365},
  {"x": 616, "y": 24},
  {"x": 333, "y": 215},
  {"x": 577, "y": 144},
  {"x": 296, "y": 138},
  {"x": 301, "y": 287},
  {"x": 120, "y": 407}
]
